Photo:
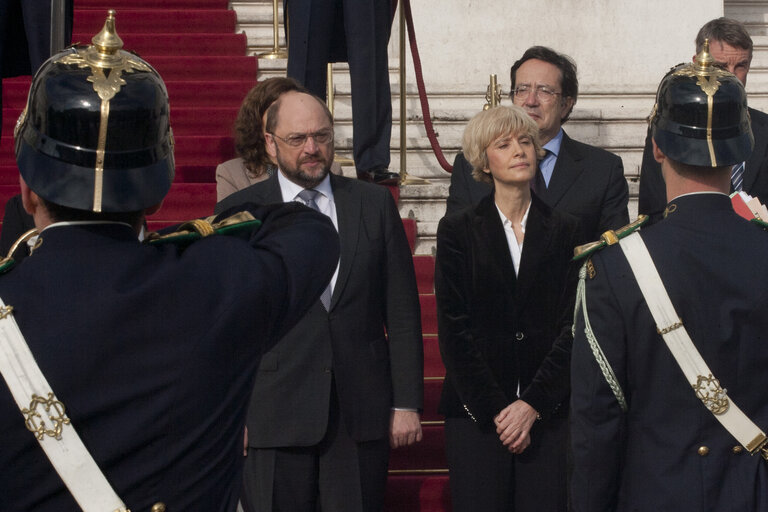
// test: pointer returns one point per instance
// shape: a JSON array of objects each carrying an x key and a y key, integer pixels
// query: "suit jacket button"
[
  {"x": 519, "y": 336},
  {"x": 703, "y": 451},
  {"x": 158, "y": 507},
  {"x": 737, "y": 449},
  {"x": 327, "y": 370}
]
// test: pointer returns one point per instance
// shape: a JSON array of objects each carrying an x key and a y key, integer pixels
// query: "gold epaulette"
[
  {"x": 763, "y": 224},
  {"x": 196, "y": 229},
  {"x": 8, "y": 262},
  {"x": 610, "y": 237}
]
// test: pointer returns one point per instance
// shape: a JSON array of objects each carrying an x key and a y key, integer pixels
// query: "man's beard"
[{"x": 301, "y": 177}]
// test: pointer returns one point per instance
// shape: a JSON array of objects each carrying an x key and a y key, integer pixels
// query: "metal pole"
[
  {"x": 276, "y": 52},
  {"x": 57, "y": 26}
]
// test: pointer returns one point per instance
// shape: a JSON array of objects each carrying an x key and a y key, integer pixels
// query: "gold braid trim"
[{"x": 597, "y": 351}]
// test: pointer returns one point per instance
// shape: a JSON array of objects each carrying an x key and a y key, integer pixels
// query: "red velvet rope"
[{"x": 420, "y": 85}]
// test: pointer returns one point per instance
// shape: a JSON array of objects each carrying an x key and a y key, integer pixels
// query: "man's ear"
[
  {"x": 153, "y": 209},
  {"x": 658, "y": 155},
  {"x": 271, "y": 147},
  {"x": 29, "y": 199}
]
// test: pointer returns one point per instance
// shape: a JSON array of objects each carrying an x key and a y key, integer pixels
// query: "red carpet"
[{"x": 194, "y": 47}]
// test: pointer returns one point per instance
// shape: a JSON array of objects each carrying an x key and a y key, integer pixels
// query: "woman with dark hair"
[
  {"x": 505, "y": 290},
  {"x": 253, "y": 164}
]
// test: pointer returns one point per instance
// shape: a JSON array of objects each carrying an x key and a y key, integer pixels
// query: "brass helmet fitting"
[
  {"x": 701, "y": 117},
  {"x": 95, "y": 134}
]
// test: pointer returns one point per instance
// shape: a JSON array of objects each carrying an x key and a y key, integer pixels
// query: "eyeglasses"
[
  {"x": 299, "y": 139},
  {"x": 543, "y": 93}
]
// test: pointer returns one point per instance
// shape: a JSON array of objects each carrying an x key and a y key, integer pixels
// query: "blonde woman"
[{"x": 505, "y": 287}]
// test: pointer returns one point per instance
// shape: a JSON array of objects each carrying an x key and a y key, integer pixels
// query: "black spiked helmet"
[
  {"x": 95, "y": 134},
  {"x": 701, "y": 117}
]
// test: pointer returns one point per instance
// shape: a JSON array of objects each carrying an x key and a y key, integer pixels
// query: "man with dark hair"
[
  {"x": 576, "y": 178},
  {"x": 345, "y": 384},
  {"x": 669, "y": 355},
  {"x": 129, "y": 365},
  {"x": 731, "y": 47}
]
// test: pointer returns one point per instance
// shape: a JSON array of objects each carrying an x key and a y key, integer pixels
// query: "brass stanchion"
[
  {"x": 341, "y": 160},
  {"x": 492, "y": 94},
  {"x": 276, "y": 52},
  {"x": 405, "y": 179}
]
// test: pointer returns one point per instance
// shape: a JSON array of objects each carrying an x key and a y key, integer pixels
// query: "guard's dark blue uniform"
[
  {"x": 668, "y": 453},
  {"x": 152, "y": 350}
]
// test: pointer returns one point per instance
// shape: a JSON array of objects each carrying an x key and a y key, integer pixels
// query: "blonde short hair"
[{"x": 489, "y": 125}]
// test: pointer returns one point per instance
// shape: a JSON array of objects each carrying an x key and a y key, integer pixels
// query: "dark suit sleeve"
[
  {"x": 16, "y": 222},
  {"x": 289, "y": 232},
  {"x": 597, "y": 422},
  {"x": 473, "y": 379},
  {"x": 613, "y": 212},
  {"x": 653, "y": 194},
  {"x": 551, "y": 384},
  {"x": 459, "y": 192},
  {"x": 756, "y": 172},
  {"x": 403, "y": 314}
]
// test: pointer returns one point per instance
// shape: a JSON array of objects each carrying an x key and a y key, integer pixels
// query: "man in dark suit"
[
  {"x": 731, "y": 47},
  {"x": 576, "y": 178},
  {"x": 25, "y": 34},
  {"x": 148, "y": 350},
  {"x": 646, "y": 431},
  {"x": 357, "y": 32},
  {"x": 346, "y": 383}
]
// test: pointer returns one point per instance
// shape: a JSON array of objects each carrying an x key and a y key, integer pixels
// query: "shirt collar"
[
  {"x": 507, "y": 223},
  {"x": 290, "y": 189},
  {"x": 553, "y": 146}
]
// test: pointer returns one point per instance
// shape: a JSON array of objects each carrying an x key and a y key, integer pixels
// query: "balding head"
[{"x": 300, "y": 138}]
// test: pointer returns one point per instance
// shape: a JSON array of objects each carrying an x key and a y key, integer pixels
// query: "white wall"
[{"x": 619, "y": 46}]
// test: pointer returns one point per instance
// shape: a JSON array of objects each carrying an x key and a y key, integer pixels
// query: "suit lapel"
[
  {"x": 489, "y": 229},
  {"x": 567, "y": 169},
  {"x": 754, "y": 162},
  {"x": 348, "y": 215},
  {"x": 537, "y": 239}
]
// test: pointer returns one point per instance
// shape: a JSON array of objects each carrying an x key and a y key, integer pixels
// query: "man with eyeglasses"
[
  {"x": 731, "y": 46},
  {"x": 585, "y": 181},
  {"x": 336, "y": 392}
]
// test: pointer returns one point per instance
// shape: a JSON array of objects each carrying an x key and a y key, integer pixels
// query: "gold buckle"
[
  {"x": 53, "y": 409},
  {"x": 759, "y": 444},
  {"x": 709, "y": 391}
]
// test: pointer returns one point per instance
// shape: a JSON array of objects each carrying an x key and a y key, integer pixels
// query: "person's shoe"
[{"x": 380, "y": 177}]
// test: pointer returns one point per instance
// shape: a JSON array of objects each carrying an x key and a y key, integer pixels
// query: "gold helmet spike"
[
  {"x": 105, "y": 52},
  {"x": 704, "y": 61}
]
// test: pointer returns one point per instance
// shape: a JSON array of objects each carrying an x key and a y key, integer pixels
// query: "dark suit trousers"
[
  {"x": 485, "y": 476},
  {"x": 365, "y": 25},
  {"x": 336, "y": 475}
]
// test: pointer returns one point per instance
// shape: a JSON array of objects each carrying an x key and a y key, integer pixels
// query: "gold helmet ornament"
[
  {"x": 701, "y": 117},
  {"x": 95, "y": 134}
]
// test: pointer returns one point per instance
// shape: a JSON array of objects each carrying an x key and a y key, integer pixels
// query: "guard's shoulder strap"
[
  {"x": 196, "y": 229},
  {"x": 8, "y": 262},
  {"x": 696, "y": 370},
  {"x": 610, "y": 237},
  {"x": 45, "y": 417}
]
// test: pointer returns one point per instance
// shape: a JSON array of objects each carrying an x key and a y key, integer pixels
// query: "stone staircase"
[{"x": 607, "y": 118}]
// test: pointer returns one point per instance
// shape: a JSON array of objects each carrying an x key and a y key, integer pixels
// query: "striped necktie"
[
  {"x": 737, "y": 177},
  {"x": 308, "y": 197}
]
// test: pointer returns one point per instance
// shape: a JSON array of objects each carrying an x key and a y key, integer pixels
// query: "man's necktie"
[
  {"x": 538, "y": 184},
  {"x": 737, "y": 177},
  {"x": 307, "y": 197}
]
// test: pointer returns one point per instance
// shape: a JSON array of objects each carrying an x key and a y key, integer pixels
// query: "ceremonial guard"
[
  {"x": 669, "y": 403},
  {"x": 129, "y": 365}
]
